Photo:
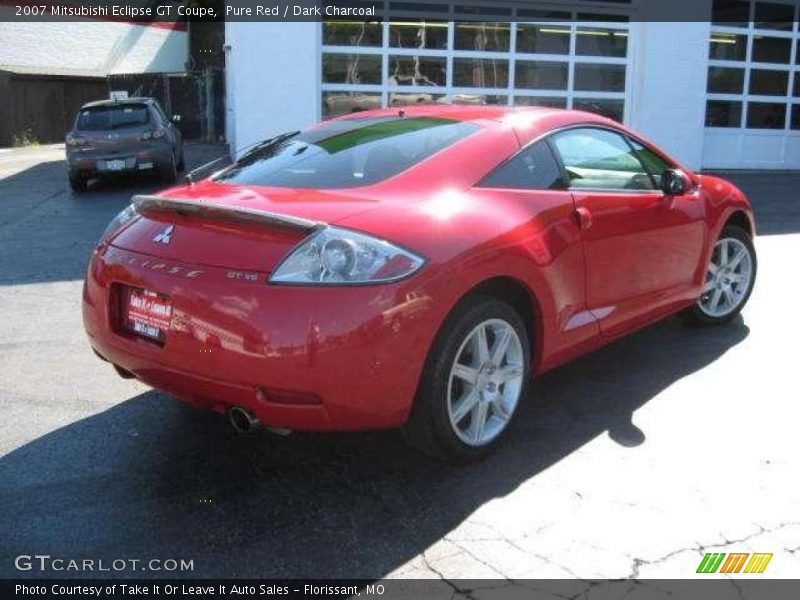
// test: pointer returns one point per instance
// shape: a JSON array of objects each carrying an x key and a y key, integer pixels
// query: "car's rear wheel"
[
  {"x": 473, "y": 380},
  {"x": 729, "y": 279},
  {"x": 77, "y": 182}
]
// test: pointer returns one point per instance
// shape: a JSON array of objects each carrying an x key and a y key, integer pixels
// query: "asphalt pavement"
[{"x": 631, "y": 462}]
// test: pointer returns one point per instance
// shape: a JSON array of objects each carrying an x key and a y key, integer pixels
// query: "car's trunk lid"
[
  {"x": 113, "y": 139},
  {"x": 227, "y": 226}
]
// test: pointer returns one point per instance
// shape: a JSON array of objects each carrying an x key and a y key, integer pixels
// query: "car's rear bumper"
[
  {"x": 299, "y": 358},
  {"x": 148, "y": 159}
]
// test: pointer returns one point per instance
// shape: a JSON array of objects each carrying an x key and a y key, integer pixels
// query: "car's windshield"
[
  {"x": 348, "y": 153},
  {"x": 113, "y": 117}
]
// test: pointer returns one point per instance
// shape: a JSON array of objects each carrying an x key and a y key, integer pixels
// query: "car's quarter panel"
[{"x": 473, "y": 236}]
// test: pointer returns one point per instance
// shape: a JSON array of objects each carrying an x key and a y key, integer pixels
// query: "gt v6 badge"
[{"x": 163, "y": 237}]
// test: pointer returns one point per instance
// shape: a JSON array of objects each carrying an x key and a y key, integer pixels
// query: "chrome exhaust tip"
[{"x": 242, "y": 420}]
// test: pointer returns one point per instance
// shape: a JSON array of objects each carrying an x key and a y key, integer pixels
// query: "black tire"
[
  {"x": 77, "y": 183},
  {"x": 170, "y": 172},
  {"x": 429, "y": 428},
  {"x": 696, "y": 315}
]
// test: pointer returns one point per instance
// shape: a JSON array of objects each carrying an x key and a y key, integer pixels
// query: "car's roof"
[
  {"x": 472, "y": 112},
  {"x": 109, "y": 102},
  {"x": 527, "y": 121}
]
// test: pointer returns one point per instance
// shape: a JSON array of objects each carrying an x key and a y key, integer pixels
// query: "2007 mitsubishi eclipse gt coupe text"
[{"x": 411, "y": 269}]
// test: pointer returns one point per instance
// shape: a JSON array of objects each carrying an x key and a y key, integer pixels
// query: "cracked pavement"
[{"x": 628, "y": 463}]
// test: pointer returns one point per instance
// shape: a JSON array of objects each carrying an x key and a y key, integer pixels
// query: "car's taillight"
[
  {"x": 127, "y": 215},
  {"x": 336, "y": 256},
  {"x": 155, "y": 135}
]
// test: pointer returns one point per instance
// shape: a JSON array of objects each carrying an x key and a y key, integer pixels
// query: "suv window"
[
  {"x": 349, "y": 153},
  {"x": 98, "y": 118},
  {"x": 533, "y": 168},
  {"x": 601, "y": 159}
]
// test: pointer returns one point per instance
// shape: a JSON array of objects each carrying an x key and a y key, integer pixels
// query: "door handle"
[{"x": 583, "y": 216}]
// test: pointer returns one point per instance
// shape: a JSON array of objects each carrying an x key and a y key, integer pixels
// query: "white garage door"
[
  {"x": 522, "y": 54},
  {"x": 753, "y": 93}
]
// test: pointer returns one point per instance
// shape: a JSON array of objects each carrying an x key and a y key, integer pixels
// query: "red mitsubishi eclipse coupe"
[{"x": 411, "y": 269}]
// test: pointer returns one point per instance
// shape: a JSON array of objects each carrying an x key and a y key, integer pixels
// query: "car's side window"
[
  {"x": 601, "y": 159},
  {"x": 652, "y": 161},
  {"x": 533, "y": 168}
]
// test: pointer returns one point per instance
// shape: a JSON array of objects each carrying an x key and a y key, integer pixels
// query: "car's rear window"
[
  {"x": 349, "y": 153},
  {"x": 113, "y": 117}
]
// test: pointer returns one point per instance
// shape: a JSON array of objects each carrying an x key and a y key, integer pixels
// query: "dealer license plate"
[{"x": 146, "y": 313}]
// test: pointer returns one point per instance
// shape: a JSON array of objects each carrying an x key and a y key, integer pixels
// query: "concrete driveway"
[{"x": 632, "y": 462}]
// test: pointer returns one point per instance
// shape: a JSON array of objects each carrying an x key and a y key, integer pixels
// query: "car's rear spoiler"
[{"x": 221, "y": 212}]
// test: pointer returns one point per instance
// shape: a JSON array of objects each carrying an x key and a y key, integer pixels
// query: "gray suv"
[{"x": 114, "y": 137}]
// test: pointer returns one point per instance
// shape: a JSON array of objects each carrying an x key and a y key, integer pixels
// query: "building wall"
[
  {"x": 92, "y": 45},
  {"x": 276, "y": 81},
  {"x": 669, "y": 79},
  {"x": 753, "y": 120},
  {"x": 273, "y": 79}
]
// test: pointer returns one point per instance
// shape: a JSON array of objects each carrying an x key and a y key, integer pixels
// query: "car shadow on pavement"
[{"x": 154, "y": 478}]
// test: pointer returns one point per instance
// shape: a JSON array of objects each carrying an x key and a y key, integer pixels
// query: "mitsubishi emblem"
[{"x": 163, "y": 237}]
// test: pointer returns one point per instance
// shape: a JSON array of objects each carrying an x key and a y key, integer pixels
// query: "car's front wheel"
[
  {"x": 729, "y": 279},
  {"x": 474, "y": 378}
]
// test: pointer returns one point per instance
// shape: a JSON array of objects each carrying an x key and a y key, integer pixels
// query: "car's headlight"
[
  {"x": 335, "y": 256},
  {"x": 118, "y": 222}
]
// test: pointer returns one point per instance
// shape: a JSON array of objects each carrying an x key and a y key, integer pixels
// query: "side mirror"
[
  {"x": 176, "y": 118},
  {"x": 674, "y": 183}
]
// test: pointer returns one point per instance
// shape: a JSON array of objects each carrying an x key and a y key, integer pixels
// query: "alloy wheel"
[
  {"x": 728, "y": 279},
  {"x": 485, "y": 382}
]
